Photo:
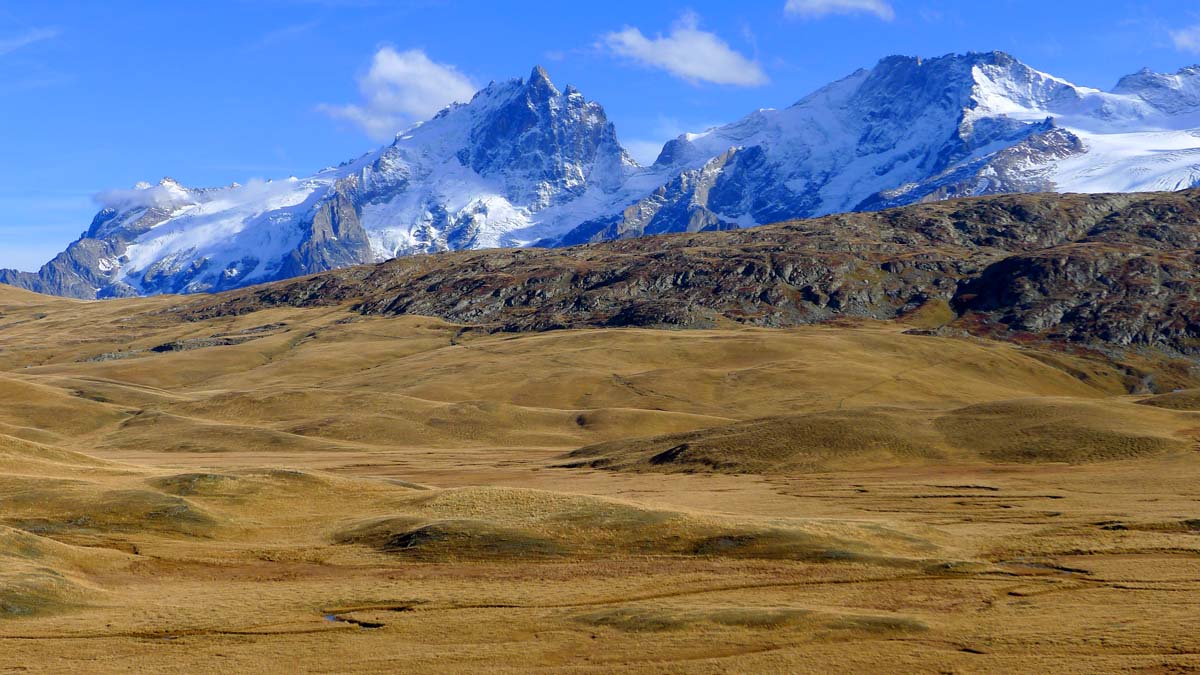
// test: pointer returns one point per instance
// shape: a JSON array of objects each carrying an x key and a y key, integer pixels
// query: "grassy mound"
[
  {"x": 19, "y": 456},
  {"x": 38, "y": 591},
  {"x": 240, "y": 483},
  {"x": 1026, "y": 430},
  {"x": 40, "y": 576},
  {"x": 38, "y": 408},
  {"x": 46, "y": 506},
  {"x": 165, "y": 432},
  {"x": 1048, "y": 430},
  {"x": 450, "y": 539},
  {"x": 1184, "y": 399},
  {"x": 793, "y": 442},
  {"x": 504, "y": 523}
]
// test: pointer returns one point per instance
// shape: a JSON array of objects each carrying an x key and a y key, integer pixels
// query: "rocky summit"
[{"x": 525, "y": 163}]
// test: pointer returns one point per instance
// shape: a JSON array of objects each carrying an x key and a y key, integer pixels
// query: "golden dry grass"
[
  {"x": 308, "y": 490},
  {"x": 1033, "y": 430}
]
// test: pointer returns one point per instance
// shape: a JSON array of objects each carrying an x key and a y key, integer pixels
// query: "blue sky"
[{"x": 95, "y": 96}]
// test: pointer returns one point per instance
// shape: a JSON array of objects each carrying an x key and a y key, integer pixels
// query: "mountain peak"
[
  {"x": 941, "y": 80},
  {"x": 1169, "y": 92},
  {"x": 992, "y": 58},
  {"x": 1146, "y": 75},
  {"x": 538, "y": 145},
  {"x": 539, "y": 81},
  {"x": 996, "y": 57}
]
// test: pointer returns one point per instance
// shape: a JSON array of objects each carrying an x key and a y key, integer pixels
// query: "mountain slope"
[{"x": 524, "y": 163}]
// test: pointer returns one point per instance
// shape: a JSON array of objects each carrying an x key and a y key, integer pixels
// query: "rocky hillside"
[{"x": 1118, "y": 269}]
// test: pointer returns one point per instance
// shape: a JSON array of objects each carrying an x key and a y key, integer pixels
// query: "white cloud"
[
  {"x": 12, "y": 44},
  {"x": 402, "y": 88},
  {"x": 815, "y": 9},
  {"x": 688, "y": 52},
  {"x": 144, "y": 195},
  {"x": 1187, "y": 39}
]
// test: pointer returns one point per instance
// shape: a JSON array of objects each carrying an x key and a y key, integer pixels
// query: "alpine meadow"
[{"x": 897, "y": 373}]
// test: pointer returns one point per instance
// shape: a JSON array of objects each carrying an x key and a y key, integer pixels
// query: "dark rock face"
[
  {"x": 679, "y": 206},
  {"x": 1124, "y": 295},
  {"x": 544, "y": 142},
  {"x": 1120, "y": 270},
  {"x": 334, "y": 238},
  {"x": 1012, "y": 169}
]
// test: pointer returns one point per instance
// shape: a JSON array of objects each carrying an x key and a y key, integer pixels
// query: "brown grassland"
[{"x": 313, "y": 490}]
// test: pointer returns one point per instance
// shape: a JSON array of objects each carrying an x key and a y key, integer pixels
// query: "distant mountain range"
[{"x": 524, "y": 163}]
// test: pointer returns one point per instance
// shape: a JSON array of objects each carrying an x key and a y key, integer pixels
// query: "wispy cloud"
[
  {"x": 285, "y": 33},
  {"x": 401, "y": 88},
  {"x": 1187, "y": 39},
  {"x": 815, "y": 9},
  {"x": 689, "y": 53},
  {"x": 9, "y": 45}
]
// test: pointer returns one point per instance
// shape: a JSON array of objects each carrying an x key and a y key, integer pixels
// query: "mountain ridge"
[{"x": 525, "y": 163}]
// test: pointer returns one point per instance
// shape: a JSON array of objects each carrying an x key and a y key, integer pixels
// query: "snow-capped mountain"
[
  {"x": 913, "y": 129},
  {"x": 524, "y": 163},
  {"x": 520, "y": 162}
]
